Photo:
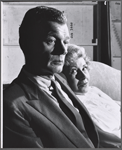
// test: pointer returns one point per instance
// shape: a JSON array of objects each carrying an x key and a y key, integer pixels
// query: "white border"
[{"x": 1, "y": 77}]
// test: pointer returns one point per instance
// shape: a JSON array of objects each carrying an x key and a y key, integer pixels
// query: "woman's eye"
[
  {"x": 85, "y": 68},
  {"x": 73, "y": 71},
  {"x": 66, "y": 42}
]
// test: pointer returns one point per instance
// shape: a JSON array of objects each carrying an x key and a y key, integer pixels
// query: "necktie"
[{"x": 70, "y": 111}]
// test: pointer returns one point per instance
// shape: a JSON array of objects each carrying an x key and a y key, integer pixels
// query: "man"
[
  {"x": 104, "y": 111},
  {"x": 40, "y": 110}
]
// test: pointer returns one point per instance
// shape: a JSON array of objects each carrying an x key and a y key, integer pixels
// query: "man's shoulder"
[{"x": 13, "y": 93}]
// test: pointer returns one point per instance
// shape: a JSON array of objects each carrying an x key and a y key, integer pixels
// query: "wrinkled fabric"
[{"x": 104, "y": 111}]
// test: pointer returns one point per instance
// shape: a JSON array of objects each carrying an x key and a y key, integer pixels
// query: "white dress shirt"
[
  {"x": 44, "y": 83},
  {"x": 104, "y": 111}
]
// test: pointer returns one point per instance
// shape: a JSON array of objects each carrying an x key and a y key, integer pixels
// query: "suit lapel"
[
  {"x": 89, "y": 125},
  {"x": 51, "y": 111},
  {"x": 69, "y": 91},
  {"x": 42, "y": 102}
]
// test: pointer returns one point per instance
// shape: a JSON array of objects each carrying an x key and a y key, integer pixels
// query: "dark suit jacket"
[{"x": 31, "y": 119}]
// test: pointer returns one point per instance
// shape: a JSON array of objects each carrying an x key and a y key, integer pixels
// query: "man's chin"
[{"x": 57, "y": 69}]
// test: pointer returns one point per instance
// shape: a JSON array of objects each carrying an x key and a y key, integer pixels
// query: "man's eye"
[{"x": 50, "y": 41}]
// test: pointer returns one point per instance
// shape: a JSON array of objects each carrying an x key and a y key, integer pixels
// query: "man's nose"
[
  {"x": 60, "y": 49},
  {"x": 80, "y": 75}
]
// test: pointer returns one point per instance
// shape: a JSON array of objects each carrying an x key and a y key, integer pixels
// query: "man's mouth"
[{"x": 58, "y": 62}]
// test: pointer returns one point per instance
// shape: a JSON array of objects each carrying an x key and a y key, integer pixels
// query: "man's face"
[
  {"x": 49, "y": 46},
  {"x": 78, "y": 77}
]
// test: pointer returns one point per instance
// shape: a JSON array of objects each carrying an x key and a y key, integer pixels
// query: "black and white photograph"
[{"x": 61, "y": 74}]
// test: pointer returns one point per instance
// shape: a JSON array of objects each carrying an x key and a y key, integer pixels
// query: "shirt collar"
[{"x": 41, "y": 81}]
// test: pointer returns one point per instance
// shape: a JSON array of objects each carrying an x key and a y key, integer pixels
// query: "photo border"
[{"x": 1, "y": 64}]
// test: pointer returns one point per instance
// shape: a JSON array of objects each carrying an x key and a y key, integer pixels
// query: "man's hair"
[
  {"x": 40, "y": 14},
  {"x": 75, "y": 52}
]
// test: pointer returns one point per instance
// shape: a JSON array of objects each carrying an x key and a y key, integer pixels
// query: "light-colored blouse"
[{"x": 104, "y": 111}]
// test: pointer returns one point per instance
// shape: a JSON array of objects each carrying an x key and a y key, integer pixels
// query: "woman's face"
[{"x": 78, "y": 76}]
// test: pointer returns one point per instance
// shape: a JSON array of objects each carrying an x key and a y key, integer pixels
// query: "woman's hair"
[
  {"x": 75, "y": 52},
  {"x": 37, "y": 15}
]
